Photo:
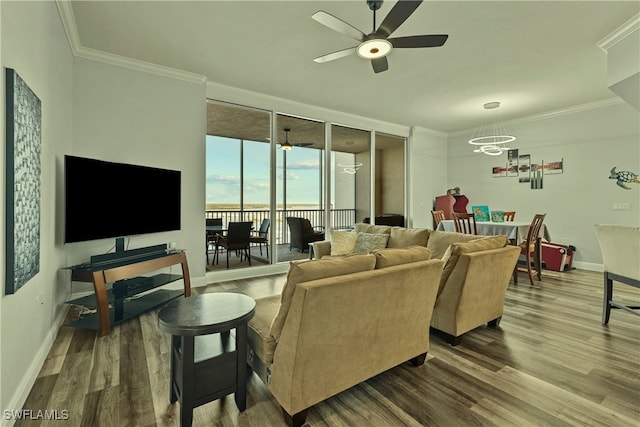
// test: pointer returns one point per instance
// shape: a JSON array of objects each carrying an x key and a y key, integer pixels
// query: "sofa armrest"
[{"x": 321, "y": 248}]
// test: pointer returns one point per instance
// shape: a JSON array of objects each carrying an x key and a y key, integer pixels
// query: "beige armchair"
[
  {"x": 620, "y": 247},
  {"x": 473, "y": 286}
]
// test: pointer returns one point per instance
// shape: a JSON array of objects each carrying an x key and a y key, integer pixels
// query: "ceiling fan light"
[
  {"x": 374, "y": 49},
  {"x": 285, "y": 146}
]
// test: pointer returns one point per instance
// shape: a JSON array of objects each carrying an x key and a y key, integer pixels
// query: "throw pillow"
[
  {"x": 362, "y": 227},
  {"x": 439, "y": 241},
  {"x": 304, "y": 271},
  {"x": 396, "y": 256},
  {"x": 343, "y": 242},
  {"x": 456, "y": 249},
  {"x": 367, "y": 242},
  {"x": 401, "y": 237}
]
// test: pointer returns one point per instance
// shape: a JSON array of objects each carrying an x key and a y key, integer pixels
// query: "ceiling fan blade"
[
  {"x": 379, "y": 65},
  {"x": 338, "y": 25},
  {"x": 432, "y": 40},
  {"x": 396, "y": 16},
  {"x": 336, "y": 55}
]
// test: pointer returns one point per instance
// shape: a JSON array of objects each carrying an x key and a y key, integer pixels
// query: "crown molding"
[
  {"x": 554, "y": 113},
  {"x": 135, "y": 64},
  {"x": 427, "y": 131},
  {"x": 620, "y": 33},
  {"x": 69, "y": 23}
]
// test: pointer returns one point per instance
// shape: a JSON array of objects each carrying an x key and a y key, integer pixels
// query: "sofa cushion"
[
  {"x": 362, "y": 227},
  {"x": 401, "y": 237},
  {"x": 439, "y": 241},
  {"x": 395, "y": 256},
  {"x": 258, "y": 336},
  {"x": 367, "y": 242},
  {"x": 343, "y": 242},
  {"x": 456, "y": 249},
  {"x": 304, "y": 271}
]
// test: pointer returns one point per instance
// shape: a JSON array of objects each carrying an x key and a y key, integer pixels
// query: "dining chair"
[
  {"x": 531, "y": 248},
  {"x": 237, "y": 238},
  {"x": 438, "y": 216},
  {"x": 509, "y": 215},
  {"x": 210, "y": 236},
  {"x": 465, "y": 223},
  {"x": 262, "y": 235}
]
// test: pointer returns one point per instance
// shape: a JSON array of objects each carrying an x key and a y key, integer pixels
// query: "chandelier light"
[
  {"x": 350, "y": 168},
  {"x": 490, "y": 137}
]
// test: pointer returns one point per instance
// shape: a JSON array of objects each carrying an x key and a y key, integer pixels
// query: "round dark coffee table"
[{"x": 205, "y": 364}]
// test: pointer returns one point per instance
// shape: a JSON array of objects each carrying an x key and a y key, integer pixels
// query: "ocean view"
[{"x": 258, "y": 206}]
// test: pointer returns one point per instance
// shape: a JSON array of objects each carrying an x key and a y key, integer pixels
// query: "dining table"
[{"x": 515, "y": 231}]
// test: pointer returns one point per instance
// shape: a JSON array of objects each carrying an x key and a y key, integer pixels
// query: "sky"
[{"x": 223, "y": 173}]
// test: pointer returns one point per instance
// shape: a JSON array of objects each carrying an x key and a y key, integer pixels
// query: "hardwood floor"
[{"x": 550, "y": 362}]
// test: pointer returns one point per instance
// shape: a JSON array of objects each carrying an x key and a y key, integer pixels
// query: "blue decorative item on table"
[{"x": 481, "y": 213}]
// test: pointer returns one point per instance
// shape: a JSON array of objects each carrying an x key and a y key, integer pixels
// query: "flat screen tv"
[{"x": 107, "y": 199}]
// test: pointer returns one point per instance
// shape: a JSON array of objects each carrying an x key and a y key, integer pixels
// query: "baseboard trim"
[
  {"x": 590, "y": 266},
  {"x": 19, "y": 397}
]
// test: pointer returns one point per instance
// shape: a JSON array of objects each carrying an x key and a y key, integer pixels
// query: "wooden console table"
[{"x": 113, "y": 305}]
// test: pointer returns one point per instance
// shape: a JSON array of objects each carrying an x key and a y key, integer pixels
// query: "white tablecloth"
[{"x": 513, "y": 230}]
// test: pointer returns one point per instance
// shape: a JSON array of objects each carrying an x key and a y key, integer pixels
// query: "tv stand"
[{"x": 116, "y": 305}]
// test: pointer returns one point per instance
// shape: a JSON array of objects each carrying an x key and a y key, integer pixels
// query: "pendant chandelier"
[{"x": 490, "y": 137}]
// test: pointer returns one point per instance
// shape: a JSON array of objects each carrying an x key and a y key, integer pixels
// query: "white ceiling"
[{"x": 532, "y": 56}]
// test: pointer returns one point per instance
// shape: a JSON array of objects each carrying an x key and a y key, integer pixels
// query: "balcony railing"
[{"x": 340, "y": 219}]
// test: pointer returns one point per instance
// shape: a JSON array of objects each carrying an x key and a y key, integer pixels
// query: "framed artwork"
[
  {"x": 23, "y": 146},
  {"x": 524, "y": 168},
  {"x": 536, "y": 176},
  {"x": 512, "y": 162},
  {"x": 481, "y": 213},
  {"x": 499, "y": 171},
  {"x": 497, "y": 216},
  {"x": 553, "y": 168}
]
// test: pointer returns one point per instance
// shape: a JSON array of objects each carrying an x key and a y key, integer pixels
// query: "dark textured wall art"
[{"x": 23, "y": 145}]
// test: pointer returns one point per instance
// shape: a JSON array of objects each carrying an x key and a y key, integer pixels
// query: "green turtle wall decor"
[{"x": 623, "y": 177}]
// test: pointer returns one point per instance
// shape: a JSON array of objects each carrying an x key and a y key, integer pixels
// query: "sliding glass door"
[
  {"x": 303, "y": 178},
  {"x": 299, "y": 185}
]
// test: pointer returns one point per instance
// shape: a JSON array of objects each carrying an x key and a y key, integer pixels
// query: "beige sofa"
[
  {"x": 340, "y": 321},
  {"x": 476, "y": 274}
]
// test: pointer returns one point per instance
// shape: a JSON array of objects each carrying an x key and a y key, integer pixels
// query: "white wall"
[
  {"x": 591, "y": 141},
  {"x": 427, "y": 169},
  {"x": 34, "y": 44},
  {"x": 131, "y": 116}
]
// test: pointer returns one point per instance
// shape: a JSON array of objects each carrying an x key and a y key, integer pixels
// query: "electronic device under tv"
[{"x": 115, "y": 200}]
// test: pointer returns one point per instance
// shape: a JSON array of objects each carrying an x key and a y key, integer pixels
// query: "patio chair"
[
  {"x": 210, "y": 236},
  {"x": 262, "y": 235},
  {"x": 237, "y": 238},
  {"x": 301, "y": 233}
]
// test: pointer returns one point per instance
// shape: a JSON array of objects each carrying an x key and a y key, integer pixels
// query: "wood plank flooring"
[{"x": 549, "y": 363}]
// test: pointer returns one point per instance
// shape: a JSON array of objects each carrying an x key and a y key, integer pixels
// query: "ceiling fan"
[
  {"x": 377, "y": 44},
  {"x": 286, "y": 145}
]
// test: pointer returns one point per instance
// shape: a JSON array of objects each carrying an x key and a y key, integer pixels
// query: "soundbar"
[{"x": 129, "y": 255}]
